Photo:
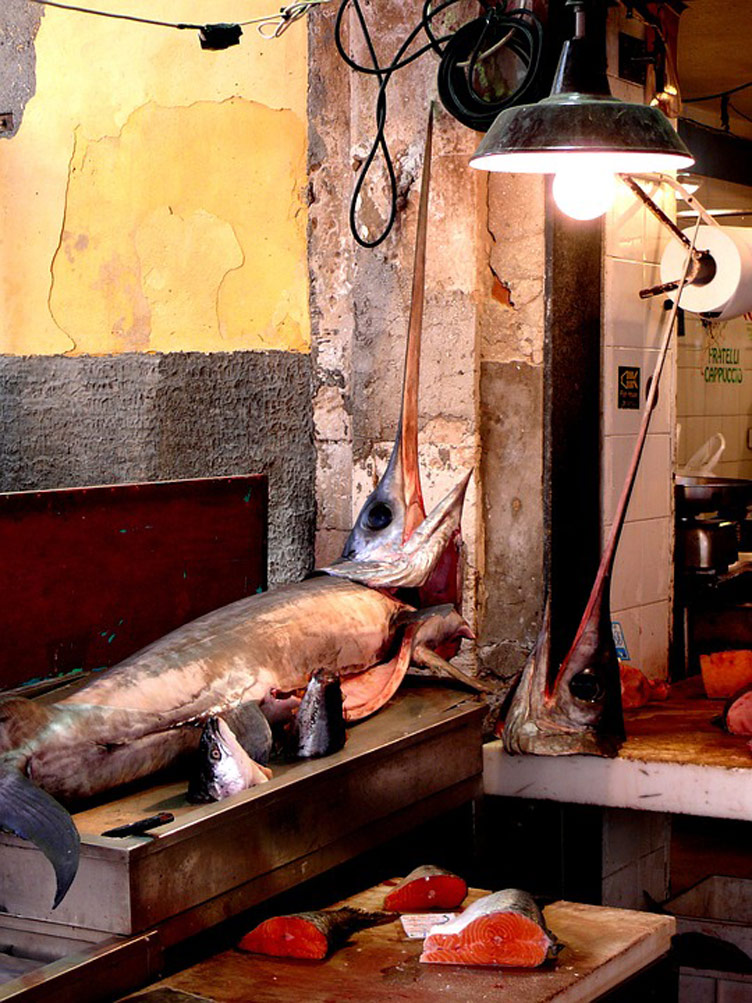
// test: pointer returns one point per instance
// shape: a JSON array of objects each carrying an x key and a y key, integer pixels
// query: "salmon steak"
[
  {"x": 504, "y": 928},
  {"x": 311, "y": 935},
  {"x": 427, "y": 887}
]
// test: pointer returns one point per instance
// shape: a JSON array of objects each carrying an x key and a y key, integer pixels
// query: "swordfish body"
[{"x": 140, "y": 716}]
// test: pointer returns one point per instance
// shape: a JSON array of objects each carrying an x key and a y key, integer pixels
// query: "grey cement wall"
[
  {"x": 19, "y": 23},
  {"x": 70, "y": 422},
  {"x": 512, "y": 586}
]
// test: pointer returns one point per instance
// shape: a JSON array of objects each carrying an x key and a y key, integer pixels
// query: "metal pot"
[
  {"x": 709, "y": 544},
  {"x": 729, "y": 495}
]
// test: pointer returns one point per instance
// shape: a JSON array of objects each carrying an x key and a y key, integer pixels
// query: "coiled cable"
[{"x": 466, "y": 88}]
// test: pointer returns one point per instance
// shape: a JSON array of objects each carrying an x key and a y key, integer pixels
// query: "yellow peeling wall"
[{"x": 153, "y": 197}]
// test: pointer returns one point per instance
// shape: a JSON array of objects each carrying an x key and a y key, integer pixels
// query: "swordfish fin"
[
  {"x": 395, "y": 507},
  {"x": 32, "y": 814}
]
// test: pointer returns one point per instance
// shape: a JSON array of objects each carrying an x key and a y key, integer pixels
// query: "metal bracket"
[{"x": 702, "y": 267}]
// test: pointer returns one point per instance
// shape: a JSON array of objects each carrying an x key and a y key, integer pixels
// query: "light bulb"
[{"x": 584, "y": 193}]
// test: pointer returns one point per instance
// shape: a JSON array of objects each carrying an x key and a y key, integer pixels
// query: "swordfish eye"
[
  {"x": 215, "y": 752},
  {"x": 379, "y": 516},
  {"x": 586, "y": 686}
]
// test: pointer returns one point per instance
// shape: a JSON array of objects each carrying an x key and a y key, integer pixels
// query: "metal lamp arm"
[{"x": 702, "y": 266}]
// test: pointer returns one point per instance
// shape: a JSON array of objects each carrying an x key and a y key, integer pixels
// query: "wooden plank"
[
  {"x": 91, "y": 575},
  {"x": 680, "y": 730},
  {"x": 604, "y": 947}
]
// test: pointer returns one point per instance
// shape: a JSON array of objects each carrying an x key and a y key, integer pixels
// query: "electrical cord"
[
  {"x": 720, "y": 94},
  {"x": 519, "y": 32},
  {"x": 212, "y": 36},
  {"x": 461, "y": 54}
]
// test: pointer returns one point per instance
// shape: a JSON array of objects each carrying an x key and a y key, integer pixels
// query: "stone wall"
[{"x": 480, "y": 399}]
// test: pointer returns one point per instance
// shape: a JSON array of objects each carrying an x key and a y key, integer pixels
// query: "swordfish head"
[
  {"x": 394, "y": 510},
  {"x": 413, "y": 564}
]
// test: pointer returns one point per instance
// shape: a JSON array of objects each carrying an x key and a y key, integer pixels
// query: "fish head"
[
  {"x": 587, "y": 688},
  {"x": 223, "y": 766},
  {"x": 394, "y": 509},
  {"x": 380, "y": 526},
  {"x": 411, "y": 564},
  {"x": 579, "y": 711}
]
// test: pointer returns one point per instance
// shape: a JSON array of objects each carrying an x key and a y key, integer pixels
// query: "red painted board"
[{"x": 90, "y": 575}]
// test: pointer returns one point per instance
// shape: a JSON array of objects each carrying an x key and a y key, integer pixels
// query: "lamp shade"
[
  {"x": 563, "y": 129},
  {"x": 581, "y": 125}
]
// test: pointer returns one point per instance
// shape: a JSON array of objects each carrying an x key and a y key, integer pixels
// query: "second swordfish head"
[{"x": 394, "y": 510}]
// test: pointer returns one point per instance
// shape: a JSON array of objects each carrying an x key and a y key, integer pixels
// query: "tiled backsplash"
[
  {"x": 714, "y": 364},
  {"x": 633, "y": 330}
]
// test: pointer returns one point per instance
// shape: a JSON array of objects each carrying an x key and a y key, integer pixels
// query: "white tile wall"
[
  {"x": 633, "y": 331},
  {"x": 706, "y": 406},
  {"x": 703, "y": 406},
  {"x": 651, "y": 498}
]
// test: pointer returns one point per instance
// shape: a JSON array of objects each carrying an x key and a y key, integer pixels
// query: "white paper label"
[{"x": 417, "y": 924}]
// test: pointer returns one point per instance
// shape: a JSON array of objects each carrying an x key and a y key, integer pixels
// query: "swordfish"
[{"x": 392, "y": 598}]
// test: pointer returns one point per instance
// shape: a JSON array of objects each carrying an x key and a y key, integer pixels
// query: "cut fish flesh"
[
  {"x": 427, "y": 887},
  {"x": 504, "y": 928}
]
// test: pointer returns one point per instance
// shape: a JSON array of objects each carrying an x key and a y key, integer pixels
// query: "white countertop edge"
[{"x": 677, "y": 788}]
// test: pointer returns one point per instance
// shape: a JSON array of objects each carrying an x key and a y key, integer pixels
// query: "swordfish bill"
[
  {"x": 581, "y": 711},
  {"x": 395, "y": 508}
]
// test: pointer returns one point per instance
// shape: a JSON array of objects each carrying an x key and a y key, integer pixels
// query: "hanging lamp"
[{"x": 580, "y": 132}]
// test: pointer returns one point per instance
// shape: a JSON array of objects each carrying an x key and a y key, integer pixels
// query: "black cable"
[
  {"x": 739, "y": 113},
  {"x": 283, "y": 15},
  {"x": 383, "y": 74},
  {"x": 720, "y": 94},
  {"x": 460, "y": 98},
  {"x": 518, "y": 31},
  {"x": 118, "y": 17}
]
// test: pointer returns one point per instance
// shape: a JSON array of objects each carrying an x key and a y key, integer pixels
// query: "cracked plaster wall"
[
  {"x": 153, "y": 195},
  {"x": 480, "y": 401},
  {"x": 153, "y": 230},
  {"x": 512, "y": 323}
]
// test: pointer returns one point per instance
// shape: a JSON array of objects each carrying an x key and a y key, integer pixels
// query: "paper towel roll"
[{"x": 729, "y": 293}]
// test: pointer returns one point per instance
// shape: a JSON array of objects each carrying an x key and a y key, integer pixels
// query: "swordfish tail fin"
[{"x": 32, "y": 814}]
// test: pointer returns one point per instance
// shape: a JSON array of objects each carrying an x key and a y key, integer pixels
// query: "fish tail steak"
[{"x": 395, "y": 509}]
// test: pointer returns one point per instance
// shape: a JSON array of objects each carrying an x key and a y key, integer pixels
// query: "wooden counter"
[
  {"x": 674, "y": 760},
  {"x": 604, "y": 948}
]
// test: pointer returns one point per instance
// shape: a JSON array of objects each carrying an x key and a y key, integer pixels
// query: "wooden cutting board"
[{"x": 604, "y": 947}]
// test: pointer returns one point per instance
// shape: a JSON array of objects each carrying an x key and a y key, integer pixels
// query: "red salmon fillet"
[
  {"x": 427, "y": 887},
  {"x": 309, "y": 934},
  {"x": 505, "y": 928},
  {"x": 287, "y": 937}
]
